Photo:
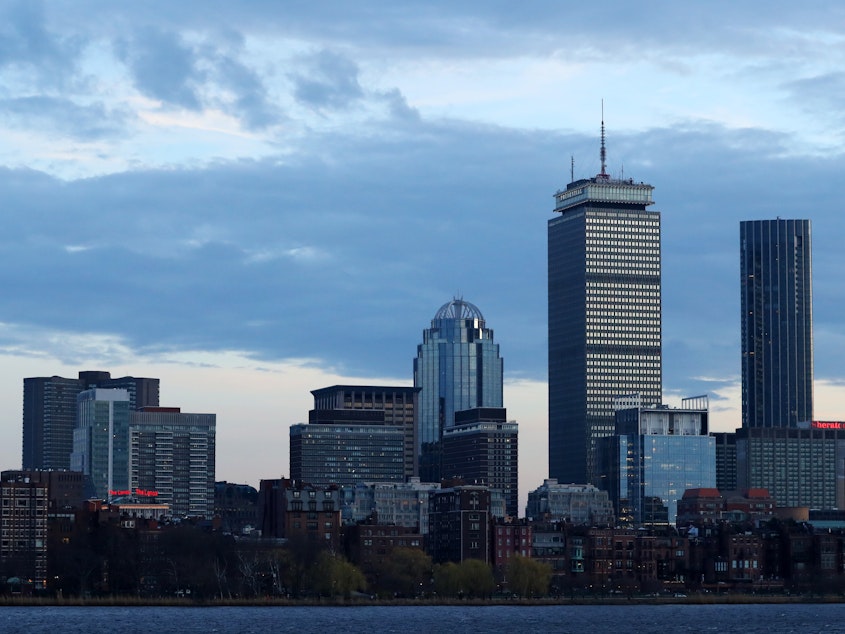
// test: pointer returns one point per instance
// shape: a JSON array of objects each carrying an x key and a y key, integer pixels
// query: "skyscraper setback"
[
  {"x": 777, "y": 322},
  {"x": 604, "y": 306}
]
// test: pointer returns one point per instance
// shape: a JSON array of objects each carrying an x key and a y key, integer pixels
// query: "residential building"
[
  {"x": 23, "y": 533},
  {"x": 481, "y": 448},
  {"x": 399, "y": 503},
  {"x": 459, "y": 521},
  {"x": 777, "y": 322},
  {"x": 50, "y": 409},
  {"x": 457, "y": 367},
  {"x": 578, "y": 504},
  {"x": 173, "y": 459},
  {"x": 604, "y": 322}
]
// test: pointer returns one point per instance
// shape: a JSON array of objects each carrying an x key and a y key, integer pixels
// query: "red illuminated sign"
[
  {"x": 147, "y": 493},
  {"x": 819, "y": 424}
]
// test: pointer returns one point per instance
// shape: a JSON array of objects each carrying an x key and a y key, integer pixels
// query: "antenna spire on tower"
[{"x": 603, "y": 173}]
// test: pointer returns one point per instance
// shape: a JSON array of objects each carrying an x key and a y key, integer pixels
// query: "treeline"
[{"x": 103, "y": 560}]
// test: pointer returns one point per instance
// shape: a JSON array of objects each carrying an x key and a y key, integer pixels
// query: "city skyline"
[{"x": 253, "y": 202}]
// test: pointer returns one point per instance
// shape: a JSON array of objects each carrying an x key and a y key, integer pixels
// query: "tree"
[
  {"x": 527, "y": 577},
  {"x": 333, "y": 576},
  {"x": 471, "y": 578},
  {"x": 405, "y": 572}
]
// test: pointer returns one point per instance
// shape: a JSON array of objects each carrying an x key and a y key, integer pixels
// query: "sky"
[{"x": 254, "y": 200}]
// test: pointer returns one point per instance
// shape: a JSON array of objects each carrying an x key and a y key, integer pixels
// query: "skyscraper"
[
  {"x": 777, "y": 322},
  {"x": 604, "y": 313},
  {"x": 172, "y": 457},
  {"x": 101, "y": 440},
  {"x": 49, "y": 413},
  {"x": 457, "y": 367}
]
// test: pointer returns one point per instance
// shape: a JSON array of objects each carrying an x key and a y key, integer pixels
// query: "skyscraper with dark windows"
[
  {"x": 604, "y": 302},
  {"x": 50, "y": 412},
  {"x": 777, "y": 322},
  {"x": 457, "y": 367}
]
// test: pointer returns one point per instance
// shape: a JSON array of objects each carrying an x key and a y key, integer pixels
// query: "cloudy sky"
[{"x": 253, "y": 200}]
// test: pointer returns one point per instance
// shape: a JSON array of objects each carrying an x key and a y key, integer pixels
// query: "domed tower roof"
[{"x": 459, "y": 309}]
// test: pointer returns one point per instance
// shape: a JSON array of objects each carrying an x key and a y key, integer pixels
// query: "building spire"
[{"x": 603, "y": 152}]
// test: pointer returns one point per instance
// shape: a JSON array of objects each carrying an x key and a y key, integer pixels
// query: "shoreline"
[{"x": 724, "y": 599}]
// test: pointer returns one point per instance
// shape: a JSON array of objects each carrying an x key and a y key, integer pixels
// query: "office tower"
[
  {"x": 172, "y": 459},
  {"x": 655, "y": 455},
  {"x": 725, "y": 460},
  {"x": 457, "y": 367},
  {"x": 399, "y": 405},
  {"x": 343, "y": 447},
  {"x": 49, "y": 413},
  {"x": 777, "y": 322},
  {"x": 101, "y": 441},
  {"x": 481, "y": 448},
  {"x": 604, "y": 313}
]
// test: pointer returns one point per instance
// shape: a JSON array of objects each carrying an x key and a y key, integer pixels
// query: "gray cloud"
[
  {"x": 327, "y": 80},
  {"x": 64, "y": 117},
  {"x": 163, "y": 66}
]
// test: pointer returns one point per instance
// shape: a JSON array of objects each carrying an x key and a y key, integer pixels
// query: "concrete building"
[
  {"x": 802, "y": 466},
  {"x": 344, "y": 447},
  {"x": 579, "y": 504},
  {"x": 50, "y": 413},
  {"x": 399, "y": 404},
  {"x": 399, "y": 503},
  {"x": 24, "y": 502},
  {"x": 604, "y": 302},
  {"x": 173, "y": 459},
  {"x": 482, "y": 448}
]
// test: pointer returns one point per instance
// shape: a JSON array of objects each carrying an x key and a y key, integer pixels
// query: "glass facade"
[
  {"x": 457, "y": 368},
  {"x": 777, "y": 322},
  {"x": 656, "y": 455},
  {"x": 604, "y": 277},
  {"x": 101, "y": 440}
]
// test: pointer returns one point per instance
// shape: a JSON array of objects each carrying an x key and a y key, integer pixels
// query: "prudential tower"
[
  {"x": 604, "y": 302},
  {"x": 457, "y": 367}
]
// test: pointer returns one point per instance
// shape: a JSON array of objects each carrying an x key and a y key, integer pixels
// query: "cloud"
[
  {"x": 327, "y": 80},
  {"x": 163, "y": 66},
  {"x": 65, "y": 117}
]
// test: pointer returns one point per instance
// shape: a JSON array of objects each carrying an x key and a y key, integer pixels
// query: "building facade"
[
  {"x": 457, "y": 367},
  {"x": 398, "y": 403},
  {"x": 578, "y": 504},
  {"x": 459, "y": 523},
  {"x": 50, "y": 409},
  {"x": 604, "y": 302},
  {"x": 173, "y": 459},
  {"x": 656, "y": 454},
  {"x": 482, "y": 448},
  {"x": 101, "y": 441},
  {"x": 23, "y": 532},
  {"x": 777, "y": 322},
  {"x": 799, "y": 467},
  {"x": 344, "y": 447}
]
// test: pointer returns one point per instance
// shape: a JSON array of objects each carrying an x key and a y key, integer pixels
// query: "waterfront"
[{"x": 807, "y": 618}]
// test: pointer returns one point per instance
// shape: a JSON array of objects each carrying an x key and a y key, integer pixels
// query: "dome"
[{"x": 459, "y": 309}]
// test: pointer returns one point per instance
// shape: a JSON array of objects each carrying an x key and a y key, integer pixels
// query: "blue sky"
[{"x": 253, "y": 200}]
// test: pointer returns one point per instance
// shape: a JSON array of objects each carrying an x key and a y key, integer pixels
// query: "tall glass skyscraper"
[
  {"x": 604, "y": 314},
  {"x": 777, "y": 322},
  {"x": 458, "y": 367}
]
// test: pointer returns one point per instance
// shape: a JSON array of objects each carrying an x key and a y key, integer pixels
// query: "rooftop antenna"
[
  {"x": 571, "y": 168},
  {"x": 603, "y": 173}
]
